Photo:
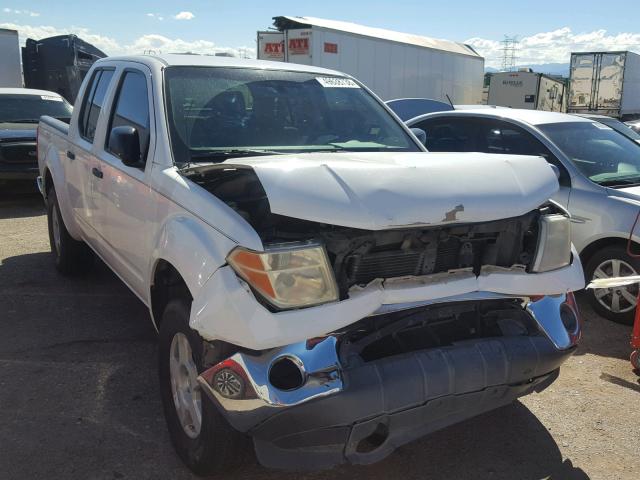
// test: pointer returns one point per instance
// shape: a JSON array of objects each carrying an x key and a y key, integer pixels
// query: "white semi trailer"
[
  {"x": 393, "y": 64},
  {"x": 10, "y": 69},
  {"x": 605, "y": 83},
  {"x": 527, "y": 90}
]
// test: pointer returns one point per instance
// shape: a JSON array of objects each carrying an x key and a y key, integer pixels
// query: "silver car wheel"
[
  {"x": 184, "y": 385},
  {"x": 55, "y": 225},
  {"x": 617, "y": 299}
]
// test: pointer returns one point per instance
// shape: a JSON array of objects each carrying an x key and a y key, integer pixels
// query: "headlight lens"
[
  {"x": 288, "y": 276},
  {"x": 554, "y": 243}
]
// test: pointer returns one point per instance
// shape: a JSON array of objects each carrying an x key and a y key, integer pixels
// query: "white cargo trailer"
[
  {"x": 528, "y": 90},
  {"x": 393, "y": 64},
  {"x": 10, "y": 69},
  {"x": 606, "y": 83}
]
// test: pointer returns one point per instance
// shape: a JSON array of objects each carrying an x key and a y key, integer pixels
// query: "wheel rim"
[
  {"x": 617, "y": 299},
  {"x": 184, "y": 385},
  {"x": 55, "y": 226}
]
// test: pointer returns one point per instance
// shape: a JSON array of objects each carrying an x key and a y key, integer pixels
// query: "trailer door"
[
  {"x": 609, "y": 81},
  {"x": 582, "y": 80}
]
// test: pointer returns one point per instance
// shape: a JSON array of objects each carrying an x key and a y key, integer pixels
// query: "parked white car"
[
  {"x": 319, "y": 282},
  {"x": 599, "y": 172}
]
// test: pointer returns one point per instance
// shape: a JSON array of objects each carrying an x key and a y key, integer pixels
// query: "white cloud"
[
  {"x": 151, "y": 43},
  {"x": 184, "y": 16},
  {"x": 157, "y": 16},
  {"x": 555, "y": 46},
  {"x": 29, "y": 13}
]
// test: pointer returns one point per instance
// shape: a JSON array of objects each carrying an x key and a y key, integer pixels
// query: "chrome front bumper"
[{"x": 331, "y": 398}]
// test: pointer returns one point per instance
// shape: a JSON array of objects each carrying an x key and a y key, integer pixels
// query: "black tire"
[
  {"x": 218, "y": 448},
  {"x": 615, "y": 252},
  {"x": 70, "y": 256}
]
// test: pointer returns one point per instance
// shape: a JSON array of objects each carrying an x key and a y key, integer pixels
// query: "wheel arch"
[
  {"x": 166, "y": 283},
  {"x": 590, "y": 250}
]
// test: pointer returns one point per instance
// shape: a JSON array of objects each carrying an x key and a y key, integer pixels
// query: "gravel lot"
[{"x": 79, "y": 393}]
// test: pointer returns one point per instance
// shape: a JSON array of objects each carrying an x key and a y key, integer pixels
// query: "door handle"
[
  {"x": 71, "y": 155},
  {"x": 97, "y": 172}
]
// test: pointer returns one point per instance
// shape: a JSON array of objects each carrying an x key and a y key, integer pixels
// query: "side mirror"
[
  {"x": 124, "y": 143},
  {"x": 420, "y": 135}
]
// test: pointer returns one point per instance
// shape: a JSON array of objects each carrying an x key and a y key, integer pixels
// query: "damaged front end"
[{"x": 352, "y": 338}]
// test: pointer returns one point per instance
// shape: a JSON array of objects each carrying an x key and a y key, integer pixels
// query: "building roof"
[{"x": 284, "y": 22}]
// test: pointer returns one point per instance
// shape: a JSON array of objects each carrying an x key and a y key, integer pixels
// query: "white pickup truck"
[{"x": 320, "y": 283}]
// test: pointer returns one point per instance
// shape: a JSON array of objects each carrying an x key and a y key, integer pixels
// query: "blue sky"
[{"x": 546, "y": 28}]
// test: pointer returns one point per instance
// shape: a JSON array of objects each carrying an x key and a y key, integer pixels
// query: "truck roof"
[
  {"x": 27, "y": 91},
  {"x": 188, "y": 60}
]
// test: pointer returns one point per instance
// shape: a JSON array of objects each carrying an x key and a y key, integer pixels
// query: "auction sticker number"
[{"x": 337, "y": 82}]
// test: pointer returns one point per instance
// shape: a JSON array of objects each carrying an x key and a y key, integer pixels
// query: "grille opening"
[
  {"x": 433, "y": 327},
  {"x": 373, "y": 441},
  {"x": 286, "y": 374}
]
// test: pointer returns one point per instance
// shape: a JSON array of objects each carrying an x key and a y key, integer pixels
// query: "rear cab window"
[{"x": 92, "y": 103}]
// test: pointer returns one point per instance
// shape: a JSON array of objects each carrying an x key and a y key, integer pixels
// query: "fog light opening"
[
  {"x": 373, "y": 441},
  {"x": 287, "y": 373},
  {"x": 569, "y": 318}
]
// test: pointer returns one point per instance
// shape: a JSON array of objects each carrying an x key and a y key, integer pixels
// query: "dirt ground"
[{"x": 79, "y": 393}]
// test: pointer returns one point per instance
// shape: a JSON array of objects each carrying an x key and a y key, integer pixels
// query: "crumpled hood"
[{"x": 376, "y": 191}]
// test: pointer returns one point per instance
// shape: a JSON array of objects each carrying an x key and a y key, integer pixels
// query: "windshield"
[
  {"x": 602, "y": 154},
  {"x": 215, "y": 113},
  {"x": 623, "y": 128},
  {"x": 29, "y": 108}
]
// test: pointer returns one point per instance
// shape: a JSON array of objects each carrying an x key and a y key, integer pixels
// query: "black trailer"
[{"x": 58, "y": 64}]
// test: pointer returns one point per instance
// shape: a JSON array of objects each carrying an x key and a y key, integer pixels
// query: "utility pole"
[{"x": 509, "y": 50}]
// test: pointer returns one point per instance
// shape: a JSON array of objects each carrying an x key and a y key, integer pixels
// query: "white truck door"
[
  {"x": 79, "y": 159},
  {"x": 122, "y": 193}
]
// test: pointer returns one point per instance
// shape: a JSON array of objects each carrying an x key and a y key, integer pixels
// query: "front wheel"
[
  {"x": 201, "y": 436},
  {"x": 618, "y": 303}
]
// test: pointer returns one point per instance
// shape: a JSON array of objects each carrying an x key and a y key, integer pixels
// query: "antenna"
[{"x": 510, "y": 47}]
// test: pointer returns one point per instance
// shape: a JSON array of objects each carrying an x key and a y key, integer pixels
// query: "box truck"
[
  {"x": 527, "y": 89},
  {"x": 10, "y": 70},
  {"x": 393, "y": 64},
  {"x": 606, "y": 83},
  {"x": 58, "y": 64}
]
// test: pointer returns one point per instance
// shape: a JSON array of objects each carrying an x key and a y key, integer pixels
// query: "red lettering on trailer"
[
  {"x": 330, "y": 47},
  {"x": 298, "y": 46}
]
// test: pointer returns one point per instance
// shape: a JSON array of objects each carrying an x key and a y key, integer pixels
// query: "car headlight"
[
  {"x": 554, "y": 243},
  {"x": 287, "y": 276}
]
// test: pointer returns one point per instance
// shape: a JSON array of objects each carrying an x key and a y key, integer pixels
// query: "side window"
[
  {"x": 132, "y": 108},
  {"x": 92, "y": 104},
  {"x": 448, "y": 134},
  {"x": 503, "y": 137}
]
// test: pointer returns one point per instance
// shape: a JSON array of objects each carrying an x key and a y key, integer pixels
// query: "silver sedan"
[{"x": 599, "y": 174}]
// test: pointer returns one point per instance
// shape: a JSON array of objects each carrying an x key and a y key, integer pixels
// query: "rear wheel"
[
  {"x": 201, "y": 436},
  {"x": 618, "y": 303},
  {"x": 70, "y": 256}
]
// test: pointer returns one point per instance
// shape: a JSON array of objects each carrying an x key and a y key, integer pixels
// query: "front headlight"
[
  {"x": 287, "y": 276},
  {"x": 554, "y": 243}
]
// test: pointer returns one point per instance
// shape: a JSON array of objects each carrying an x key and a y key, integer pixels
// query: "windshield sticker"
[
  {"x": 51, "y": 98},
  {"x": 337, "y": 82},
  {"x": 602, "y": 126}
]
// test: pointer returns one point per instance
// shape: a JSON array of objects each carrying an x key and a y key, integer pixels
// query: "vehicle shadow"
[
  {"x": 508, "y": 443},
  {"x": 600, "y": 336},
  {"x": 20, "y": 203}
]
